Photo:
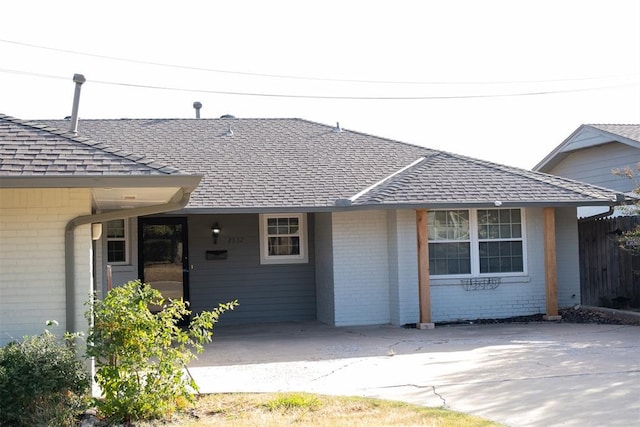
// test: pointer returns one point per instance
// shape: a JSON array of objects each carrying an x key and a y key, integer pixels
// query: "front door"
[{"x": 163, "y": 258}]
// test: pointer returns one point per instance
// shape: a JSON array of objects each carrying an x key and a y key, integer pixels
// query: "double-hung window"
[
  {"x": 500, "y": 241},
  {"x": 476, "y": 242},
  {"x": 117, "y": 241},
  {"x": 450, "y": 252},
  {"x": 283, "y": 239}
]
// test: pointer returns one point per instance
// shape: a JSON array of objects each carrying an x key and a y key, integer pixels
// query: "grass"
[{"x": 303, "y": 409}]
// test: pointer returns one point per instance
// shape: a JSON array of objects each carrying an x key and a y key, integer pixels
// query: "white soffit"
[{"x": 123, "y": 198}]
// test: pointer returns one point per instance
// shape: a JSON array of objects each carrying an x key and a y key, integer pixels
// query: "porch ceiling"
[{"x": 124, "y": 198}]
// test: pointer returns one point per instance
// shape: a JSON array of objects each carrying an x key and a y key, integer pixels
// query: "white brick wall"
[
  {"x": 32, "y": 289},
  {"x": 516, "y": 296},
  {"x": 403, "y": 267},
  {"x": 567, "y": 257},
  {"x": 366, "y": 265},
  {"x": 361, "y": 273}
]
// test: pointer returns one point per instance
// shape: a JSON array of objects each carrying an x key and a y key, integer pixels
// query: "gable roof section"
[
  {"x": 36, "y": 155},
  {"x": 447, "y": 180},
  {"x": 266, "y": 165},
  {"x": 591, "y": 135},
  {"x": 31, "y": 149}
]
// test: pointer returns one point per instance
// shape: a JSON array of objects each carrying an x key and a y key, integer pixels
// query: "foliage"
[
  {"x": 293, "y": 400},
  {"x": 307, "y": 410},
  {"x": 141, "y": 355},
  {"x": 41, "y": 383},
  {"x": 630, "y": 240}
]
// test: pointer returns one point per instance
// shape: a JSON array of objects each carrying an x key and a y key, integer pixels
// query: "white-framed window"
[
  {"x": 283, "y": 239},
  {"x": 117, "y": 241},
  {"x": 476, "y": 242}
]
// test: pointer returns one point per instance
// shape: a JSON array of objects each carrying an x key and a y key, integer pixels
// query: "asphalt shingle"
[
  {"x": 631, "y": 131},
  {"x": 295, "y": 163},
  {"x": 28, "y": 148}
]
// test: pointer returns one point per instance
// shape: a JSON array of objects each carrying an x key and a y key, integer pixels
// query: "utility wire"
[
  {"x": 284, "y": 76},
  {"x": 280, "y": 95}
]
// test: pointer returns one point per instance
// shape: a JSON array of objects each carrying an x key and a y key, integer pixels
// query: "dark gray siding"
[{"x": 266, "y": 293}]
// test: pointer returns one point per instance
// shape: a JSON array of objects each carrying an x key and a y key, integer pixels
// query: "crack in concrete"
[
  {"x": 328, "y": 374},
  {"x": 432, "y": 387}
]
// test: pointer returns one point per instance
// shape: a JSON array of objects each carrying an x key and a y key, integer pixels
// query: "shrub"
[
  {"x": 141, "y": 355},
  {"x": 41, "y": 383}
]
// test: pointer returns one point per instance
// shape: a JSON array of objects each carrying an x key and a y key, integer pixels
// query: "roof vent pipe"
[
  {"x": 337, "y": 128},
  {"x": 197, "y": 105},
  {"x": 79, "y": 79}
]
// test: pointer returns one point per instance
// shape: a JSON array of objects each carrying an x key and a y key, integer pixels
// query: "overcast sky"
[{"x": 505, "y": 81}]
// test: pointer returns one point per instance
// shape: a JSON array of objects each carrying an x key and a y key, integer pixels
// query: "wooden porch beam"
[
  {"x": 424, "y": 292},
  {"x": 550, "y": 268}
]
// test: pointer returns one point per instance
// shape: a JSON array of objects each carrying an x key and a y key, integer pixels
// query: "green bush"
[
  {"x": 141, "y": 356},
  {"x": 42, "y": 383}
]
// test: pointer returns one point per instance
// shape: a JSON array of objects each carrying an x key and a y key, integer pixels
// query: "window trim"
[
  {"x": 265, "y": 258},
  {"x": 126, "y": 239},
  {"x": 475, "y": 247}
]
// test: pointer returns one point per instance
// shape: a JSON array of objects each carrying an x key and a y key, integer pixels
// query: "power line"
[
  {"x": 280, "y": 95},
  {"x": 293, "y": 77}
]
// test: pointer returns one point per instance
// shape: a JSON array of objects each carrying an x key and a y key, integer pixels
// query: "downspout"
[{"x": 69, "y": 242}]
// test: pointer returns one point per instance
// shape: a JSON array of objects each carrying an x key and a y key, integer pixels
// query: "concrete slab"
[{"x": 535, "y": 374}]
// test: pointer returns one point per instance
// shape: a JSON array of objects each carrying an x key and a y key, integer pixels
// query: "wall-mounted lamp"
[
  {"x": 96, "y": 231},
  {"x": 215, "y": 232}
]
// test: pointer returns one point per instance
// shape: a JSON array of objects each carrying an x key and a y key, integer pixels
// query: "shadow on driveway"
[{"x": 535, "y": 374}]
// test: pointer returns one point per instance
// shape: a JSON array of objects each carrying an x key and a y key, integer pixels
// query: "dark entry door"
[{"x": 163, "y": 258}]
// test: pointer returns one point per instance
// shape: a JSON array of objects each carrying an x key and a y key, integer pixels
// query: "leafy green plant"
[
  {"x": 41, "y": 383},
  {"x": 141, "y": 356},
  {"x": 630, "y": 240}
]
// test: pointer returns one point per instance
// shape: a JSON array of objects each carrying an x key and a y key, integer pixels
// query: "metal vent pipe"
[
  {"x": 79, "y": 79},
  {"x": 197, "y": 105}
]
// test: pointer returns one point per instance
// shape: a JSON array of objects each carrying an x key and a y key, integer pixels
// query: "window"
[
  {"x": 283, "y": 239},
  {"x": 500, "y": 240},
  {"x": 476, "y": 242},
  {"x": 117, "y": 241},
  {"x": 451, "y": 254}
]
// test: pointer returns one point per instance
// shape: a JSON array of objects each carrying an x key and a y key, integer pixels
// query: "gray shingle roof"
[
  {"x": 32, "y": 149},
  {"x": 294, "y": 163},
  {"x": 448, "y": 179},
  {"x": 627, "y": 131}
]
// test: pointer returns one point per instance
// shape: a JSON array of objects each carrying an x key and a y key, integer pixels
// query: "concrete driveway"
[{"x": 536, "y": 374}]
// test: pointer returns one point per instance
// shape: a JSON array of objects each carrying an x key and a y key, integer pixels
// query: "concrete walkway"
[{"x": 537, "y": 374}]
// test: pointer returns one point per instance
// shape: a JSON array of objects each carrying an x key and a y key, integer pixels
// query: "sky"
[{"x": 505, "y": 81}]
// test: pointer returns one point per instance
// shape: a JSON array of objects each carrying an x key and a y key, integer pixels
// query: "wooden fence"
[{"x": 609, "y": 275}]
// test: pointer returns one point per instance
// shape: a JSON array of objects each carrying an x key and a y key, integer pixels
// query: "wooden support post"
[
  {"x": 424, "y": 293},
  {"x": 551, "y": 277}
]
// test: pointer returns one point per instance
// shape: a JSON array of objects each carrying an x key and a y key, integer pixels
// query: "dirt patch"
[
  {"x": 569, "y": 315},
  {"x": 605, "y": 317}
]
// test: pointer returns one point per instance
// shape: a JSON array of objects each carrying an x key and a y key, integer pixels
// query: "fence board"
[{"x": 608, "y": 272}]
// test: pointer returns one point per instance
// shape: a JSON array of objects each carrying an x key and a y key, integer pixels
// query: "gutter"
[
  {"x": 69, "y": 242},
  {"x": 598, "y": 216}
]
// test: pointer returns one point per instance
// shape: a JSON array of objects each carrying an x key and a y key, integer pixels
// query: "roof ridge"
[
  {"x": 140, "y": 159},
  {"x": 390, "y": 183}
]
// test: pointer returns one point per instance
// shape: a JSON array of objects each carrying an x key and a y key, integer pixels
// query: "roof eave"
[
  {"x": 549, "y": 158},
  {"x": 392, "y": 206},
  {"x": 187, "y": 182}
]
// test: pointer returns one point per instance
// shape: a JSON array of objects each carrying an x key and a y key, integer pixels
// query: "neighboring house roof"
[
  {"x": 35, "y": 155},
  {"x": 279, "y": 164},
  {"x": 591, "y": 135}
]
